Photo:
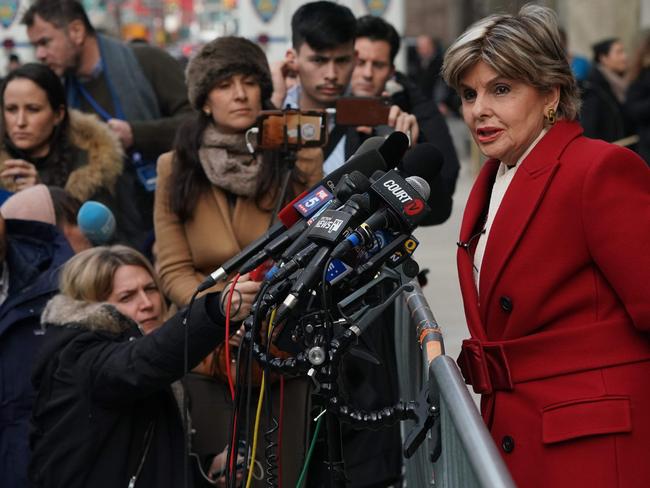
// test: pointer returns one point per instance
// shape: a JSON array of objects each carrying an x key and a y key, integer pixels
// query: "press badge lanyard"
[
  {"x": 80, "y": 89},
  {"x": 145, "y": 171}
]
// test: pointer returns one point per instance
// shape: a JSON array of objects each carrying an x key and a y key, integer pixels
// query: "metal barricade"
[{"x": 468, "y": 456}]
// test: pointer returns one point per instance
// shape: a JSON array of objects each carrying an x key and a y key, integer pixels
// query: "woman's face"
[
  {"x": 234, "y": 103},
  {"x": 616, "y": 58},
  {"x": 136, "y": 295},
  {"x": 504, "y": 116},
  {"x": 28, "y": 117}
]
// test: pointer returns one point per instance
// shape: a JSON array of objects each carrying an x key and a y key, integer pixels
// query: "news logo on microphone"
[{"x": 401, "y": 197}]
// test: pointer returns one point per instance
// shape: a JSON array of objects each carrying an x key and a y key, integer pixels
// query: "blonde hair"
[
  {"x": 88, "y": 276},
  {"x": 525, "y": 47}
]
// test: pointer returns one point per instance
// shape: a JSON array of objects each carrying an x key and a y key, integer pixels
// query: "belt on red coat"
[{"x": 491, "y": 366}]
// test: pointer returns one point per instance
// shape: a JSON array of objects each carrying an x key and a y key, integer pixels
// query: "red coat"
[{"x": 560, "y": 344}]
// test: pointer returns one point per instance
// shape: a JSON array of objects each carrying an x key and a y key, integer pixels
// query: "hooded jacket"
[
  {"x": 105, "y": 411},
  {"x": 96, "y": 159},
  {"x": 97, "y": 172}
]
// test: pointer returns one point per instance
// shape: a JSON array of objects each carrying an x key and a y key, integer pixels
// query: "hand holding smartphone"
[{"x": 355, "y": 111}]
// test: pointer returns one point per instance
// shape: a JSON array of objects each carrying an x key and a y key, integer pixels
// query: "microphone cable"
[
  {"x": 231, "y": 292},
  {"x": 243, "y": 397},
  {"x": 186, "y": 400},
  {"x": 270, "y": 452}
]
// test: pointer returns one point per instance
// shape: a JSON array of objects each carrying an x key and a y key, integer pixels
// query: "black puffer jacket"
[{"x": 104, "y": 389}]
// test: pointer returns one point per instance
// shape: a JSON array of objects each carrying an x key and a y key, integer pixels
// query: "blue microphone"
[{"x": 96, "y": 222}]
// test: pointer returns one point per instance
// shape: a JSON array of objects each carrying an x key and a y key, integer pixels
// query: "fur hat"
[{"x": 222, "y": 58}]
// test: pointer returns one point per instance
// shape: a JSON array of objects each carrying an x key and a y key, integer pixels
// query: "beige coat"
[{"x": 186, "y": 252}]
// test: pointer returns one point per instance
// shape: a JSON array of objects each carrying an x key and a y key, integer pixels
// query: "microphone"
[
  {"x": 372, "y": 155},
  {"x": 425, "y": 160},
  {"x": 295, "y": 238},
  {"x": 404, "y": 207},
  {"x": 366, "y": 160},
  {"x": 96, "y": 222},
  {"x": 386, "y": 155},
  {"x": 349, "y": 185},
  {"x": 326, "y": 231}
]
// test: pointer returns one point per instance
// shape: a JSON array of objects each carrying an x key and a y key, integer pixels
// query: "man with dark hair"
[
  {"x": 376, "y": 45},
  {"x": 316, "y": 72},
  {"x": 31, "y": 254},
  {"x": 138, "y": 90}
]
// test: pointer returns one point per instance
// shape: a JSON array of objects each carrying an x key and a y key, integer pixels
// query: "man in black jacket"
[{"x": 376, "y": 46}]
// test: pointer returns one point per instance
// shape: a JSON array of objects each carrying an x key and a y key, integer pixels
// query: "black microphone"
[
  {"x": 296, "y": 237},
  {"x": 329, "y": 229},
  {"x": 425, "y": 160},
  {"x": 364, "y": 160},
  {"x": 349, "y": 185},
  {"x": 403, "y": 208},
  {"x": 372, "y": 155}
]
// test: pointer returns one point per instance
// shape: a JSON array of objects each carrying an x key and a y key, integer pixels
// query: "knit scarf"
[
  {"x": 227, "y": 162},
  {"x": 618, "y": 83}
]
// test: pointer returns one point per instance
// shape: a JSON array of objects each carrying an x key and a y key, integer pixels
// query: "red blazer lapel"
[
  {"x": 520, "y": 203},
  {"x": 474, "y": 212}
]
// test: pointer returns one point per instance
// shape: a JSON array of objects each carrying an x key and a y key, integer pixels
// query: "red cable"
[
  {"x": 231, "y": 385},
  {"x": 280, "y": 432}
]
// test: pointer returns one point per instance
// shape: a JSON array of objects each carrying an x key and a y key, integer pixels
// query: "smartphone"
[
  {"x": 355, "y": 111},
  {"x": 291, "y": 129}
]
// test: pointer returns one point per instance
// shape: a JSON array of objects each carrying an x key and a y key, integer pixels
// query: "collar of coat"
[
  {"x": 104, "y": 153},
  {"x": 64, "y": 311}
]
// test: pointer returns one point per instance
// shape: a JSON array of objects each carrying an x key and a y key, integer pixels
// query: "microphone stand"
[
  {"x": 288, "y": 159},
  {"x": 321, "y": 359}
]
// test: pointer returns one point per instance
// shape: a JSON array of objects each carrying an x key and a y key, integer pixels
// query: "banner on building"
[
  {"x": 266, "y": 9},
  {"x": 376, "y": 7},
  {"x": 8, "y": 11}
]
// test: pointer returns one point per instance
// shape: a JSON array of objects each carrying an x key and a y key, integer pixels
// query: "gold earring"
[{"x": 551, "y": 116}]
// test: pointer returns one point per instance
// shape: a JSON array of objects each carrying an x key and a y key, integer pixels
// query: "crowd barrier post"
[{"x": 468, "y": 456}]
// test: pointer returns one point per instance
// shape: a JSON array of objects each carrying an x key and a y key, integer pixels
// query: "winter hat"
[
  {"x": 33, "y": 203},
  {"x": 222, "y": 58}
]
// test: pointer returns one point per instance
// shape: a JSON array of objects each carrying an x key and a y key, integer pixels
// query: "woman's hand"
[
  {"x": 19, "y": 174},
  {"x": 218, "y": 469},
  {"x": 242, "y": 300}
]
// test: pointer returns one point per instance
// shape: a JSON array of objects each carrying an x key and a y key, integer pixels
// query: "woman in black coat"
[
  {"x": 637, "y": 103},
  {"x": 108, "y": 411}
]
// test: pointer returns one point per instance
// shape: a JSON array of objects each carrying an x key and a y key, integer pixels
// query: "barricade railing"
[{"x": 468, "y": 457}]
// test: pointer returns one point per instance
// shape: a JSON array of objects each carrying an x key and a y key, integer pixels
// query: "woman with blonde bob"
[
  {"x": 107, "y": 412},
  {"x": 553, "y": 265}
]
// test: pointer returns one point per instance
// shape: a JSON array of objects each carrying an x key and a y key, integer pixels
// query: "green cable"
[{"x": 303, "y": 473}]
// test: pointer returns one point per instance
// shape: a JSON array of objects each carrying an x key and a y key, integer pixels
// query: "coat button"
[
  {"x": 508, "y": 444},
  {"x": 506, "y": 303}
]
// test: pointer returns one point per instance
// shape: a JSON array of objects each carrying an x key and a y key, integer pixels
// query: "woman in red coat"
[{"x": 553, "y": 263}]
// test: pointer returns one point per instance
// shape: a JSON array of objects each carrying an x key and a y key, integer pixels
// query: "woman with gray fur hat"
[{"x": 212, "y": 199}]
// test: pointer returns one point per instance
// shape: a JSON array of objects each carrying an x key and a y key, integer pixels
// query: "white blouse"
[{"x": 504, "y": 176}]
